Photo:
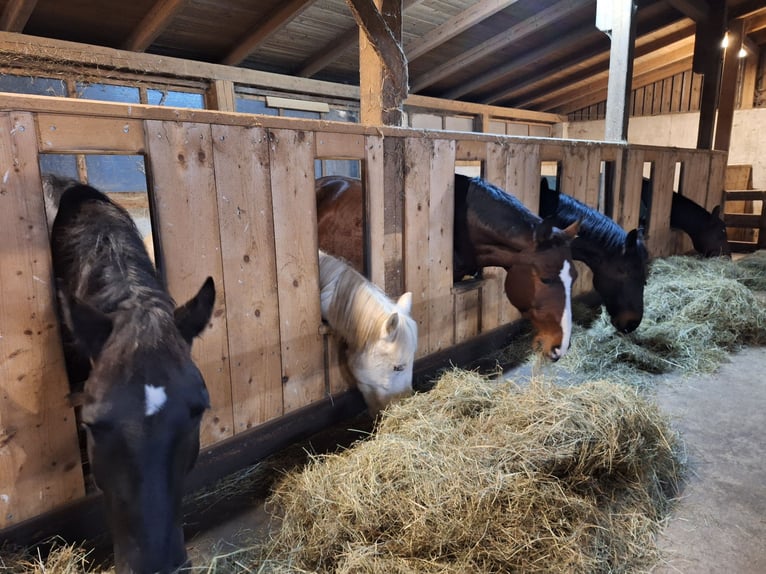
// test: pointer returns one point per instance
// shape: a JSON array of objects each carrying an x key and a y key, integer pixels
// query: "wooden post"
[
  {"x": 707, "y": 61},
  {"x": 749, "y": 77},
  {"x": 382, "y": 64},
  {"x": 728, "y": 86},
  {"x": 617, "y": 19}
]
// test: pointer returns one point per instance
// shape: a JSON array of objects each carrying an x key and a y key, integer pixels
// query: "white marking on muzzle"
[
  {"x": 566, "y": 317},
  {"x": 155, "y": 399}
]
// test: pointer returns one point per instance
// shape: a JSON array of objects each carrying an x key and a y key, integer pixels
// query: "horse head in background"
[
  {"x": 706, "y": 229},
  {"x": 143, "y": 398},
  {"x": 617, "y": 259},
  {"x": 494, "y": 229},
  {"x": 381, "y": 335}
]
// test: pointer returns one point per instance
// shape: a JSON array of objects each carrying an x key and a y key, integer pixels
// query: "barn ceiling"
[{"x": 544, "y": 55}]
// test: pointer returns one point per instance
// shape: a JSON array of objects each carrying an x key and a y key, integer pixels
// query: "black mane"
[
  {"x": 496, "y": 208},
  {"x": 594, "y": 225}
]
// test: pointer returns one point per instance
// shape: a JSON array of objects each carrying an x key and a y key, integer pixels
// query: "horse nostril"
[
  {"x": 555, "y": 354},
  {"x": 630, "y": 326}
]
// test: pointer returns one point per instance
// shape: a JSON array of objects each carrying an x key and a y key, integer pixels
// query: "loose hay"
[
  {"x": 486, "y": 477},
  {"x": 696, "y": 311}
]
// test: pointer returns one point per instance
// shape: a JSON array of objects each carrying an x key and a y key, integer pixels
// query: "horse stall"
[{"x": 231, "y": 196}]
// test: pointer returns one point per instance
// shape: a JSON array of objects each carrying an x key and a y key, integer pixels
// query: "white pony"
[{"x": 381, "y": 335}]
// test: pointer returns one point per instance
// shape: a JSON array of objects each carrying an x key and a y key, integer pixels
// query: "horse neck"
[
  {"x": 595, "y": 227},
  {"x": 505, "y": 218},
  {"x": 687, "y": 215}
]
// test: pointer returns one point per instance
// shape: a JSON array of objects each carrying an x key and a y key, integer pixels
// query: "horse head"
[
  {"x": 710, "y": 239},
  {"x": 539, "y": 284},
  {"x": 143, "y": 397},
  {"x": 619, "y": 277}
]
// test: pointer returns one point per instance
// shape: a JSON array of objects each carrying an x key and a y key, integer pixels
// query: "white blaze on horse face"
[
  {"x": 155, "y": 399},
  {"x": 566, "y": 317}
]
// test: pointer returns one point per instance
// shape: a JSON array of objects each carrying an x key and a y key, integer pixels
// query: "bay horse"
[
  {"x": 706, "y": 229},
  {"x": 618, "y": 259},
  {"x": 492, "y": 228},
  {"x": 381, "y": 335},
  {"x": 143, "y": 398}
]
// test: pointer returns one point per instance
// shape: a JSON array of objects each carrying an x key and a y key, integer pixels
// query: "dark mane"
[
  {"x": 498, "y": 209},
  {"x": 595, "y": 226},
  {"x": 687, "y": 214}
]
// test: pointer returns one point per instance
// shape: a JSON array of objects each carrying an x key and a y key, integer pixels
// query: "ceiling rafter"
[
  {"x": 598, "y": 81},
  {"x": 153, "y": 24},
  {"x": 755, "y": 23},
  {"x": 273, "y": 22},
  {"x": 697, "y": 10},
  {"x": 541, "y": 19},
  {"x": 16, "y": 15},
  {"x": 336, "y": 47},
  {"x": 456, "y": 25},
  {"x": 597, "y": 62}
]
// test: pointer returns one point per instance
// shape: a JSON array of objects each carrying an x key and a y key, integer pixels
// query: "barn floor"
[{"x": 719, "y": 523}]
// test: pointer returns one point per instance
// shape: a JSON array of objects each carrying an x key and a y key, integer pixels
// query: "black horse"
[
  {"x": 617, "y": 259},
  {"x": 706, "y": 229},
  {"x": 144, "y": 397}
]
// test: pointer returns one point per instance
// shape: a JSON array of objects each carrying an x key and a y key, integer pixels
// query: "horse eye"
[
  {"x": 546, "y": 281},
  {"x": 398, "y": 368}
]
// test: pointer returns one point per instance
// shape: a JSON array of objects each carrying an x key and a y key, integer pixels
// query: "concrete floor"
[{"x": 718, "y": 525}]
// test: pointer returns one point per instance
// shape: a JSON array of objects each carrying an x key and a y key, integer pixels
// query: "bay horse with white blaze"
[
  {"x": 381, "y": 335},
  {"x": 492, "y": 228},
  {"x": 144, "y": 397},
  {"x": 617, "y": 259}
]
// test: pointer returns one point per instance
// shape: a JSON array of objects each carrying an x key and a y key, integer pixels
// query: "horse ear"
[
  {"x": 716, "y": 213},
  {"x": 90, "y": 326},
  {"x": 544, "y": 230},
  {"x": 192, "y": 317},
  {"x": 392, "y": 324},
  {"x": 573, "y": 229},
  {"x": 404, "y": 303},
  {"x": 634, "y": 242}
]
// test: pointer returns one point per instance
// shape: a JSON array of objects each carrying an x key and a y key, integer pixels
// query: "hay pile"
[
  {"x": 485, "y": 477},
  {"x": 696, "y": 311}
]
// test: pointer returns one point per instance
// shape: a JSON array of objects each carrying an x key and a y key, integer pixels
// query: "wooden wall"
[{"x": 233, "y": 197}]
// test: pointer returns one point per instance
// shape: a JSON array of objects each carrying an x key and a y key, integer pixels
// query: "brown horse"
[{"x": 492, "y": 229}]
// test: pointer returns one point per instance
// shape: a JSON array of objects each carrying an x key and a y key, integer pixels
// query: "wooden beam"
[
  {"x": 152, "y": 25},
  {"x": 707, "y": 61},
  {"x": 755, "y": 23},
  {"x": 623, "y": 35},
  {"x": 728, "y": 94},
  {"x": 559, "y": 11},
  {"x": 382, "y": 64},
  {"x": 749, "y": 77},
  {"x": 273, "y": 22},
  {"x": 470, "y": 108},
  {"x": 336, "y": 47},
  {"x": 697, "y": 10},
  {"x": 455, "y": 25},
  {"x": 16, "y": 15}
]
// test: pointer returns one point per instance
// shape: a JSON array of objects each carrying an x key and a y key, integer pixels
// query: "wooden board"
[
  {"x": 184, "y": 194},
  {"x": 75, "y": 134},
  {"x": 339, "y": 146},
  {"x": 660, "y": 241},
  {"x": 39, "y": 453},
  {"x": 716, "y": 181},
  {"x": 376, "y": 210},
  {"x": 630, "y": 205},
  {"x": 295, "y": 235},
  {"x": 467, "y": 312},
  {"x": 739, "y": 177},
  {"x": 523, "y": 174},
  {"x": 243, "y": 188}
]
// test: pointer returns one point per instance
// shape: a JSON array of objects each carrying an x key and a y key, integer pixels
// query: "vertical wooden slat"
[
  {"x": 181, "y": 168},
  {"x": 295, "y": 236},
  {"x": 683, "y": 243},
  {"x": 416, "y": 195},
  {"x": 696, "y": 170},
  {"x": 686, "y": 92},
  {"x": 715, "y": 193},
  {"x": 39, "y": 453},
  {"x": 241, "y": 159},
  {"x": 523, "y": 174},
  {"x": 630, "y": 206},
  {"x": 376, "y": 216},
  {"x": 493, "y": 298},
  {"x": 466, "y": 311},
  {"x": 638, "y": 106},
  {"x": 660, "y": 240},
  {"x": 441, "y": 208},
  {"x": 648, "y": 99},
  {"x": 675, "y": 100},
  {"x": 696, "y": 94}
]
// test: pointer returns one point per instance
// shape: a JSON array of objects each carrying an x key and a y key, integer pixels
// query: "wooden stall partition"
[
  {"x": 39, "y": 451},
  {"x": 243, "y": 193},
  {"x": 660, "y": 241},
  {"x": 376, "y": 210},
  {"x": 181, "y": 170},
  {"x": 716, "y": 180},
  {"x": 580, "y": 173},
  {"x": 628, "y": 206},
  {"x": 294, "y": 202},
  {"x": 693, "y": 185}
]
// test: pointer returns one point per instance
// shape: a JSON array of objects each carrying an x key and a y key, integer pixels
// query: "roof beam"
[
  {"x": 16, "y": 15},
  {"x": 755, "y": 23},
  {"x": 697, "y": 10},
  {"x": 455, "y": 25},
  {"x": 542, "y": 19},
  {"x": 338, "y": 46},
  {"x": 152, "y": 25},
  {"x": 275, "y": 20}
]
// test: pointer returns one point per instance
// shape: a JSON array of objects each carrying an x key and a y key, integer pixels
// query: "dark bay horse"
[
  {"x": 617, "y": 259},
  {"x": 706, "y": 229},
  {"x": 144, "y": 397},
  {"x": 492, "y": 228}
]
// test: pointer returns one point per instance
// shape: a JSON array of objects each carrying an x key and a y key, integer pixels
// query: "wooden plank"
[
  {"x": 638, "y": 109},
  {"x": 622, "y": 27},
  {"x": 186, "y": 210},
  {"x": 441, "y": 209},
  {"x": 471, "y": 150},
  {"x": 221, "y": 96},
  {"x": 574, "y": 175},
  {"x": 416, "y": 195},
  {"x": 339, "y": 146},
  {"x": 686, "y": 92},
  {"x": 466, "y": 312},
  {"x": 667, "y": 96},
  {"x": 75, "y": 134},
  {"x": 648, "y": 99},
  {"x": 745, "y": 195},
  {"x": 749, "y": 80},
  {"x": 16, "y": 15},
  {"x": 629, "y": 198},
  {"x": 695, "y": 182},
  {"x": 243, "y": 186},
  {"x": 726, "y": 99},
  {"x": 675, "y": 99},
  {"x": 715, "y": 187},
  {"x": 660, "y": 239},
  {"x": 295, "y": 236},
  {"x": 739, "y": 177},
  {"x": 151, "y": 26},
  {"x": 493, "y": 298},
  {"x": 696, "y": 92},
  {"x": 394, "y": 206},
  {"x": 374, "y": 173},
  {"x": 523, "y": 174},
  {"x": 39, "y": 452}
]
